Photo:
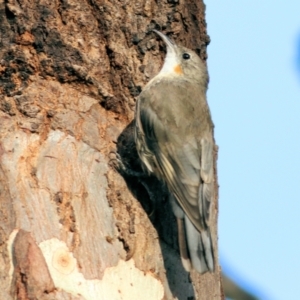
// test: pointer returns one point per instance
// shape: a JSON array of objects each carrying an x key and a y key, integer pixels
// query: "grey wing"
[
  {"x": 207, "y": 175},
  {"x": 146, "y": 156},
  {"x": 183, "y": 163},
  {"x": 189, "y": 171}
]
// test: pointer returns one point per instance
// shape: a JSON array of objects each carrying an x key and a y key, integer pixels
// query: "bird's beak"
[{"x": 170, "y": 45}]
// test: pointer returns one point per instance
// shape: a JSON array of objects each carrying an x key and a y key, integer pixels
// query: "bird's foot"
[{"x": 116, "y": 162}]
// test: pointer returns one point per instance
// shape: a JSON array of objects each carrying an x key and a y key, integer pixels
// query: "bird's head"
[{"x": 181, "y": 61}]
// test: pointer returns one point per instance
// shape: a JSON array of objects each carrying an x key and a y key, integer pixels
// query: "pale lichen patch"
[
  {"x": 10, "y": 242},
  {"x": 121, "y": 282},
  {"x": 63, "y": 261}
]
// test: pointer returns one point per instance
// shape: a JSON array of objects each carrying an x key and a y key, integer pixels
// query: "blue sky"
[{"x": 254, "y": 95}]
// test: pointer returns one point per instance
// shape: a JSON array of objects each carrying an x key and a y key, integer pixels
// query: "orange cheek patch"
[{"x": 178, "y": 69}]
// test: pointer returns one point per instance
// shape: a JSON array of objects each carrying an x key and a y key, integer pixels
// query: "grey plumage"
[{"x": 174, "y": 139}]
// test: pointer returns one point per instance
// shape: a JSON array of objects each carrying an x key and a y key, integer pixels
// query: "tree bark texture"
[{"x": 71, "y": 226}]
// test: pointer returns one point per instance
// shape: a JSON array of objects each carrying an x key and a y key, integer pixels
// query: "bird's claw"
[{"x": 117, "y": 163}]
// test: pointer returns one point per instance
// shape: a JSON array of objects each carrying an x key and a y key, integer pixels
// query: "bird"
[{"x": 174, "y": 141}]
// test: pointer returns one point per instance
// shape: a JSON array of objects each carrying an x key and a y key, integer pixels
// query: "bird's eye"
[{"x": 186, "y": 56}]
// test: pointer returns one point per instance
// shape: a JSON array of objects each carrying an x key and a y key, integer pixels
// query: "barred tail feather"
[
  {"x": 183, "y": 247},
  {"x": 200, "y": 247}
]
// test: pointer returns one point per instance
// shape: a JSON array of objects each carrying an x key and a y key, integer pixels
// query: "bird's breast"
[{"x": 179, "y": 104}]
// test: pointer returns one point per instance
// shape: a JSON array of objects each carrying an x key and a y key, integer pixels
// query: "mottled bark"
[{"x": 71, "y": 227}]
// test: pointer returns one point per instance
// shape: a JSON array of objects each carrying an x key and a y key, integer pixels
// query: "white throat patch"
[{"x": 170, "y": 64}]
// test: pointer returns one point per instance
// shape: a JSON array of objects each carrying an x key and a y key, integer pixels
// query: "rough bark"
[{"x": 71, "y": 227}]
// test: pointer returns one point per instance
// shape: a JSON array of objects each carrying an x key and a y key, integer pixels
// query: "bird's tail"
[{"x": 196, "y": 248}]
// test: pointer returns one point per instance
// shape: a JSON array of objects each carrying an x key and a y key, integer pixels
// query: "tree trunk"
[{"x": 71, "y": 227}]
